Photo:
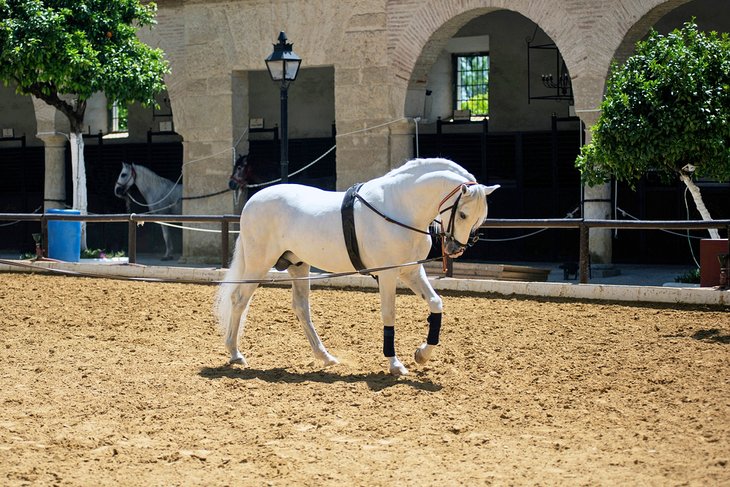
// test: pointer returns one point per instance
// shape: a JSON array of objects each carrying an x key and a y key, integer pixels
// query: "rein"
[
  {"x": 443, "y": 235},
  {"x": 274, "y": 280},
  {"x": 387, "y": 218}
]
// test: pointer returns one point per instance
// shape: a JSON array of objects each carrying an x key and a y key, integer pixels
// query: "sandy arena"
[{"x": 122, "y": 383}]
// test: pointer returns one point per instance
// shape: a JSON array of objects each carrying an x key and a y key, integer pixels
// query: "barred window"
[
  {"x": 118, "y": 115},
  {"x": 471, "y": 83}
]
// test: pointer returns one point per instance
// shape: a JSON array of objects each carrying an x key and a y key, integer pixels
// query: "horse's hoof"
[
  {"x": 330, "y": 360},
  {"x": 397, "y": 369},
  {"x": 423, "y": 354},
  {"x": 238, "y": 359},
  {"x": 167, "y": 257}
]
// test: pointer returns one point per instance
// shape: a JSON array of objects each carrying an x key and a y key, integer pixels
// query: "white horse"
[
  {"x": 295, "y": 227},
  {"x": 162, "y": 195}
]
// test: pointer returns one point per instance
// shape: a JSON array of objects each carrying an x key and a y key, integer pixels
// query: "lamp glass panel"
[
  {"x": 276, "y": 69},
  {"x": 292, "y": 68}
]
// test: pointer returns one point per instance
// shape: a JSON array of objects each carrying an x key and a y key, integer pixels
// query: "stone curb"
[{"x": 648, "y": 294}]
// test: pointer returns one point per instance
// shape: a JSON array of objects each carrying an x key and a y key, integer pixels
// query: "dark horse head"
[
  {"x": 251, "y": 171},
  {"x": 242, "y": 173}
]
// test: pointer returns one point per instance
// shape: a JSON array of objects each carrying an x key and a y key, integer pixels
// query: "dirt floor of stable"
[{"x": 121, "y": 383}]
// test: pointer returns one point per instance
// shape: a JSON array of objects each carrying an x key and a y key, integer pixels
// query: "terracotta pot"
[{"x": 710, "y": 250}]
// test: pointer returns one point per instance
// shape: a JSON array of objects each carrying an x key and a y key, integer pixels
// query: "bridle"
[
  {"x": 446, "y": 236},
  {"x": 450, "y": 227},
  {"x": 130, "y": 180},
  {"x": 238, "y": 178}
]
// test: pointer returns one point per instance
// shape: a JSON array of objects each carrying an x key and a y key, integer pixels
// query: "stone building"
[{"x": 377, "y": 70}]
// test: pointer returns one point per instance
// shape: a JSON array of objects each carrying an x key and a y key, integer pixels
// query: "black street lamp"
[{"x": 283, "y": 65}]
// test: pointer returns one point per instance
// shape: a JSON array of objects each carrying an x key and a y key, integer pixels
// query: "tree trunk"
[
  {"x": 697, "y": 197},
  {"x": 78, "y": 177}
]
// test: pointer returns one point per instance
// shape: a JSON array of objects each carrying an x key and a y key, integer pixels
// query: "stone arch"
[
  {"x": 640, "y": 28},
  {"x": 600, "y": 33},
  {"x": 414, "y": 45}
]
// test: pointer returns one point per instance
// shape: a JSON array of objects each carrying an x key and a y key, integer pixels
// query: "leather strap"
[{"x": 348, "y": 227}]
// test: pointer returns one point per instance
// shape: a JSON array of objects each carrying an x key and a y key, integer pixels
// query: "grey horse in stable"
[{"x": 161, "y": 195}]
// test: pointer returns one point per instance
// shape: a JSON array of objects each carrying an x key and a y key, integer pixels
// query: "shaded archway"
[
  {"x": 653, "y": 198},
  {"x": 21, "y": 159},
  {"x": 527, "y": 143}
]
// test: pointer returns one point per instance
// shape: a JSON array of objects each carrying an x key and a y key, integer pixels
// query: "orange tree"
[
  {"x": 666, "y": 109},
  {"x": 64, "y": 51}
]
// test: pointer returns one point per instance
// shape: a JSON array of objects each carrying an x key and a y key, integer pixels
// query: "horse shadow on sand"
[
  {"x": 712, "y": 335},
  {"x": 376, "y": 381}
]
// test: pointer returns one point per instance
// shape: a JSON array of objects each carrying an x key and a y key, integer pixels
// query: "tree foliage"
[
  {"x": 477, "y": 104},
  {"x": 79, "y": 47},
  {"x": 667, "y": 106}
]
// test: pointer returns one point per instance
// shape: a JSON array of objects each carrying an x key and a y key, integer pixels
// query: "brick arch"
[
  {"x": 639, "y": 29},
  {"x": 600, "y": 32},
  {"x": 415, "y": 43}
]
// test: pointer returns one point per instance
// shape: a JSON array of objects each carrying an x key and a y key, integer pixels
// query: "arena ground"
[{"x": 121, "y": 383}]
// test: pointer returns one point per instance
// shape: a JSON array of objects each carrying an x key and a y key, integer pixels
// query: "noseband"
[
  {"x": 239, "y": 177},
  {"x": 449, "y": 233},
  {"x": 132, "y": 178}
]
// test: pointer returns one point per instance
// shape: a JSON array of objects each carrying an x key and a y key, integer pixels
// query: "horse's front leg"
[
  {"x": 416, "y": 279},
  {"x": 387, "y": 284}
]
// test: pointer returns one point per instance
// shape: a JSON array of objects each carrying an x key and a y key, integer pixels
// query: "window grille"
[{"x": 471, "y": 83}]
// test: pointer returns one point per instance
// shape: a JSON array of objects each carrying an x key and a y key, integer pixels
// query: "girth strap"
[{"x": 348, "y": 227}]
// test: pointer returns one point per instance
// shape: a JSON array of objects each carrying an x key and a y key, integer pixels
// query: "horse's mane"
[
  {"x": 152, "y": 174},
  {"x": 421, "y": 166}
]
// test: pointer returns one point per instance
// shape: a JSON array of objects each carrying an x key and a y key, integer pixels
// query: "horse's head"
[
  {"x": 464, "y": 217},
  {"x": 240, "y": 175},
  {"x": 125, "y": 180}
]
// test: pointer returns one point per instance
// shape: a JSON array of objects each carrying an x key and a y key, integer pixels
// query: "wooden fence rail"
[{"x": 582, "y": 225}]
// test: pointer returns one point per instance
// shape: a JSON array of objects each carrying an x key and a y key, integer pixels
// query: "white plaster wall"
[
  {"x": 16, "y": 112},
  {"x": 311, "y": 100}
]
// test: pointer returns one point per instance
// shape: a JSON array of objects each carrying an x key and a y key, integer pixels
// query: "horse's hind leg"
[
  {"x": 415, "y": 278},
  {"x": 240, "y": 300},
  {"x": 167, "y": 237},
  {"x": 300, "y": 305}
]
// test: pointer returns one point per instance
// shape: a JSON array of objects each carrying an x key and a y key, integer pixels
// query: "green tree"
[
  {"x": 64, "y": 51},
  {"x": 478, "y": 104},
  {"x": 667, "y": 108}
]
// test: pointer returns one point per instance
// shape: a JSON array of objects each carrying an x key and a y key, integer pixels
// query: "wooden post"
[
  {"x": 224, "y": 244},
  {"x": 584, "y": 253},
  {"x": 44, "y": 235},
  {"x": 132, "y": 242}
]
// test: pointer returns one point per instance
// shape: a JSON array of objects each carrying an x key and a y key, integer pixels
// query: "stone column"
[
  {"x": 597, "y": 206},
  {"x": 203, "y": 116},
  {"x": 54, "y": 187},
  {"x": 401, "y": 142}
]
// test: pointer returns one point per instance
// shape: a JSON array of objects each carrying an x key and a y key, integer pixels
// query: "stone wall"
[{"x": 378, "y": 54}]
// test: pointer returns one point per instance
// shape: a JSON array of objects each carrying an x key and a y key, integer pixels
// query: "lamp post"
[{"x": 283, "y": 65}]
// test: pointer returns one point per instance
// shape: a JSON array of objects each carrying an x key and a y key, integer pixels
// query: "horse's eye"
[{"x": 462, "y": 215}]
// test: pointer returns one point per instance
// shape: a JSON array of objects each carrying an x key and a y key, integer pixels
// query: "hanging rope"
[{"x": 272, "y": 280}]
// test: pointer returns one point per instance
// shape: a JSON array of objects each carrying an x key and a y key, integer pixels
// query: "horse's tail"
[{"x": 223, "y": 304}]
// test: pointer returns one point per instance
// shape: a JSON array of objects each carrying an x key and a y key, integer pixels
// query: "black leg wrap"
[
  {"x": 434, "y": 328},
  {"x": 389, "y": 341}
]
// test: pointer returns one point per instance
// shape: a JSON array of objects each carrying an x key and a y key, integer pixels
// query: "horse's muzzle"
[
  {"x": 120, "y": 191},
  {"x": 453, "y": 248}
]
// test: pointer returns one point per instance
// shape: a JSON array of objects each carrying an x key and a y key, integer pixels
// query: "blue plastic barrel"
[{"x": 64, "y": 237}]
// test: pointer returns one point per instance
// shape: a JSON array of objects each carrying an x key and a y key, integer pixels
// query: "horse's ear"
[{"x": 490, "y": 189}]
